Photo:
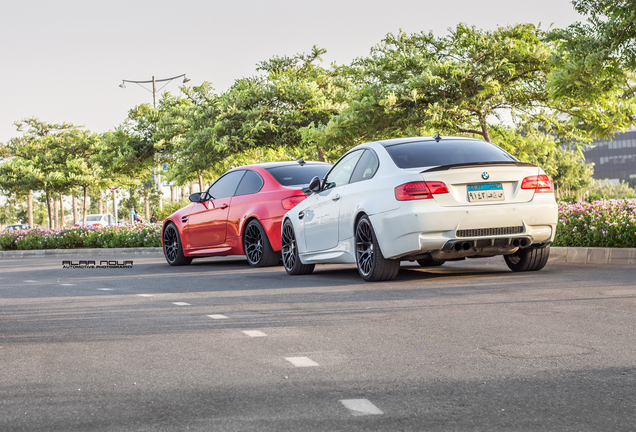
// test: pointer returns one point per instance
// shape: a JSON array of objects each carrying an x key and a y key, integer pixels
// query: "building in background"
[{"x": 615, "y": 159}]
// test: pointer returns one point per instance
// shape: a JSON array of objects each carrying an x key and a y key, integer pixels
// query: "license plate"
[{"x": 485, "y": 192}]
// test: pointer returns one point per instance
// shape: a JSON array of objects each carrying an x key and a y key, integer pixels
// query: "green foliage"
[
  {"x": 566, "y": 168},
  {"x": 610, "y": 223},
  {"x": 140, "y": 235},
  {"x": 592, "y": 79},
  {"x": 170, "y": 208},
  {"x": 418, "y": 83},
  {"x": 604, "y": 190}
]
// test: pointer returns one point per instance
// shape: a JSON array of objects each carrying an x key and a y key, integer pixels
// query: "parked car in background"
[
  {"x": 16, "y": 227},
  {"x": 97, "y": 220},
  {"x": 240, "y": 214},
  {"x": 428, "y": 200}
]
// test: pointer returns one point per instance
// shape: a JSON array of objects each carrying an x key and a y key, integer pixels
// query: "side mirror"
[
  {"x": 195, "y": 197},
  {"x": 314, "y": 185}
]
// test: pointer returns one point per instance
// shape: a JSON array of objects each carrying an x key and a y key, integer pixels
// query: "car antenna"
[
  {"x": 436, "y": 137},
  {"x": 301, "y": 161}
]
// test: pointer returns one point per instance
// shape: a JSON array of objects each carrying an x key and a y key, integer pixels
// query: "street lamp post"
[
  {"x": 154, "y": 82},
  {"x": 154, "y": 85}
]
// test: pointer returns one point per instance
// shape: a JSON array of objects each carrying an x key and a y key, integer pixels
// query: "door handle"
[
  {"x": 336, "y": 197},
  {"x": 223, "y": 206},
  {"x": 301, "y": 215}
]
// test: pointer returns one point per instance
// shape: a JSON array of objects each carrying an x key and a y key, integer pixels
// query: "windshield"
[
  {"x": 446, "y": 152},
  {"x": 298, "y": 175},
  {"x": 93, "y": 218}
]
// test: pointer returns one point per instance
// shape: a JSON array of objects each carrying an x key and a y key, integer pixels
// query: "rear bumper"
[{"x": 420, "y": 227}]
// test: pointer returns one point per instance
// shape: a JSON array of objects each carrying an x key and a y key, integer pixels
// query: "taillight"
[
  {"x": 292, "y": 201},
  {"x": 540, "y": 183},
  {"x": 419, "y": 190}
]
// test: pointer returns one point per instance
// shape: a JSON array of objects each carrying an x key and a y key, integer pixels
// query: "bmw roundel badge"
[{"x": 484, "y": 175}]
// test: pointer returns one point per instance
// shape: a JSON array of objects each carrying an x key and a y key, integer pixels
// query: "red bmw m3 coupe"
[{"x": 240, "y": 214}]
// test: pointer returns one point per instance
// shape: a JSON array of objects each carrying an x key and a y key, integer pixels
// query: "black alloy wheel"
[
  {"x": 530, "y": 259},
  {"x": 372, "y": 265},
  {"x": 172, "y": 248},
  {"x": 289, "y": 250},
  {"x": 257, "y": 248}
]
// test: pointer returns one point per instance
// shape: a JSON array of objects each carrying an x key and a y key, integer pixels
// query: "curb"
[
  {"x": 151, "y": 251},
  {"x": 592, "y": 255},
  {"x": 566, "y": 255}
]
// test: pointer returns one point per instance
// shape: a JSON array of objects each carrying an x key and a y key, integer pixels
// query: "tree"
[
  {"x": 593, "y": 67},
  {"x": 461, "y": 83},
  {"x": 31, "y": 163},
  {"x": 271, "y": 109},
  {"x": 131, "y": 153},
  {"x": 186, "y": 124}
]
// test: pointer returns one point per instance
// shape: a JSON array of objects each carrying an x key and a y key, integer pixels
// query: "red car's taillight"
[
  {"x": 292, "y": 201},
  {"x": 540, "y": 183},
  {"x": 419, "y": 190}
]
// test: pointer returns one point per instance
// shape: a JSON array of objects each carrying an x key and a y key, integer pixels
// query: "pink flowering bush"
[
  {"x": 138, "y": 235},
  {"x": 605, "y": 223}
]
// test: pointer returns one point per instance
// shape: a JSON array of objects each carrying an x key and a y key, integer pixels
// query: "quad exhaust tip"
[
  {"x": 522, "y": 243},
  {"x": 459, "y": 246}
]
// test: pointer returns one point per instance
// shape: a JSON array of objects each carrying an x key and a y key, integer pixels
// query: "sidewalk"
[{"x": 569, "y": 255}]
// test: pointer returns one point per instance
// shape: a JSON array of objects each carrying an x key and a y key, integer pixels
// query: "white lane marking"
[
  {"x": 218, "y": 316},
  {"x": 181, "y": 303},
  {"x": 67, "y": 284},
  {"x": 254, "y": 333},
  {"x": 104, "y": 289},
  {"x": 147, "y": 295},
  {"x": 30, "y": 280},
  {"x": 301, "y": 361},
  {"x": 360, "y": 407}
]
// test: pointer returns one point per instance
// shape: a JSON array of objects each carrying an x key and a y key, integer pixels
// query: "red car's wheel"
[
  {"x": 172, "y": 248},
  {"x": 258, "y": 250}
]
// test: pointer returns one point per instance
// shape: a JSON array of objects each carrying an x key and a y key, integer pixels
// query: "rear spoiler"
[{"x": 477, "y": 164}]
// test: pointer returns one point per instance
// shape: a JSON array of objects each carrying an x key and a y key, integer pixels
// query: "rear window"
[
  {"x": 298, "y": 175},
  {"x": 446, "y": 152},
  {"x": 93, "y": 218}
]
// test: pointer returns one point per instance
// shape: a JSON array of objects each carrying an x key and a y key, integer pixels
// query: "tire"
[
  {"x": 430, "y": 262},
  {"x": 372, "y": 265},
  {"x": 258, "y": 250},
  {"x": 289, "y": 250},
  {"x": 172, "y": 247},
  {"x": 531, "y": 259}
]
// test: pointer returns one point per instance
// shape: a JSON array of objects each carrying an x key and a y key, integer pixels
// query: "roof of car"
[
  {"x": 394, "y": 141},
  {"x": 268, "y": 165}
]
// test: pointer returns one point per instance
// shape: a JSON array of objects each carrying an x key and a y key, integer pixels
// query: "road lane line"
[
  {"x": 301, "y": 361},
  {"x": 254, "y": 333},
  {"x": 104, "y": 289},
  {"x": 67, "y": 284},
  {"x": 181, "y": 303},
  {"x": 360, "y": 407},
  {"x": 146, "y": 295},
  {"x": 30, "y": 280},
  {"x": 218, "y": 316}
]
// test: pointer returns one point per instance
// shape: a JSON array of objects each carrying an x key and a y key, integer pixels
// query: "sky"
[{"x": 63, "y": 60}]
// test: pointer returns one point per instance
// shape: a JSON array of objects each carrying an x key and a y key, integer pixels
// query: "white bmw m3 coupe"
[{"x": 427, "y": 199}]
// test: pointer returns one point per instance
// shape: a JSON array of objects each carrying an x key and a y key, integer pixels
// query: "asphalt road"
[{"x": 220, "y": 346}]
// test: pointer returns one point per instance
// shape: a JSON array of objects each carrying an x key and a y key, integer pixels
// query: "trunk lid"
[{"x": 482, "y": 184}]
